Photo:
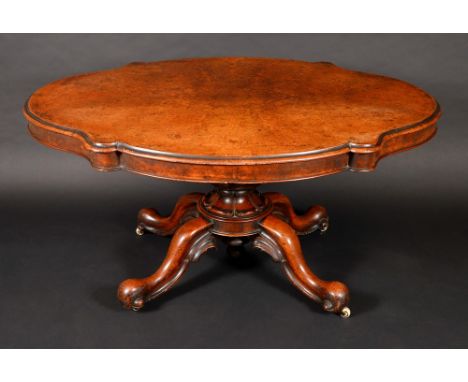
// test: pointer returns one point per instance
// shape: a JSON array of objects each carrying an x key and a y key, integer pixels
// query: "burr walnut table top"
[{"x": 232, "y": 120}]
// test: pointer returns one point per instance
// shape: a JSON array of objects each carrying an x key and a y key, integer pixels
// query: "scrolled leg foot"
[
  {"x": 132, "y": 293},
  {"x": 190, "y": 241},
  {"x": 149, "y": 220},
  {"x": 280, "y": 241},
  {"x": 316, "y": 217}
]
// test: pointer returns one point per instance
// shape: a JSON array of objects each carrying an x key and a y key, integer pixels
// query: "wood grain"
[
  {"x": 280, "y": 241},
  {"x": 240, "y": 215},
  {"x": 190, "y": 241},
  {"x": 232, "y": 120}
]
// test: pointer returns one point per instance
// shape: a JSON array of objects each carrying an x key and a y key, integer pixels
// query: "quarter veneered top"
[{"x": 229, "y": 110}]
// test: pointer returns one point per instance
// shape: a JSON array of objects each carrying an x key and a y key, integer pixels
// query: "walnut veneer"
[{"x": 236, "y": 123}]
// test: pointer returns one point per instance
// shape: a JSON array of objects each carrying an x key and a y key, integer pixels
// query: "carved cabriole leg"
[
  {"x": 316, "y": 217},
  {"x": 237, "y": 214},
  {"x": 149, "y": 220},
  {"x": 191, "y": 240},
  {"x": 280, "y": 241}
]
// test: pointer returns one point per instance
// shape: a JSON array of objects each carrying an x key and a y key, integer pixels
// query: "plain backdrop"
[{"x": 398, "y": 236}]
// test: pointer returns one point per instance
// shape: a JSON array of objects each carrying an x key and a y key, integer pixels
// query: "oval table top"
[{"x": 232, "y": 120}]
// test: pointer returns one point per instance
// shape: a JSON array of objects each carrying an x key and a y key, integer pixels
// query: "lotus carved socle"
[{"x": 236, "y": 123}]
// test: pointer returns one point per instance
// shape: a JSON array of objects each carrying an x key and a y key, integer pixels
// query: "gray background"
[{"x": 398, "y": 236}]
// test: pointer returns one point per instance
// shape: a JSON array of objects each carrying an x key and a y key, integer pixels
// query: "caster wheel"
[
  {"x": 323, "y": 226},
  {"x": 345, "y": 312},
  {"x": 139, "y": 231}
]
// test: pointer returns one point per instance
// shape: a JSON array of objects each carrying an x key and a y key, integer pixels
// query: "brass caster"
[
  {"x": 323, "y": 226},
  {"x": 139, "y": 231},
  {"x": 345, "y": 312}
]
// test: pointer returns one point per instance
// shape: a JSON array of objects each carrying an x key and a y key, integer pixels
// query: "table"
[{"x": 236, "y": 123}]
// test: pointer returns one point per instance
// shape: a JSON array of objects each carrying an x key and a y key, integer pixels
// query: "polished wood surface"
[
  {"x": 149, "y": 219},
  {"x": 279, "y": 240},
  {"x": 241, "y": 215},
  {"x": 236, "y": 123},
  {"x": 314, "y": 218},
  {"x": 232, "y": 120},
  {"x": 186, "y": 246}
]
